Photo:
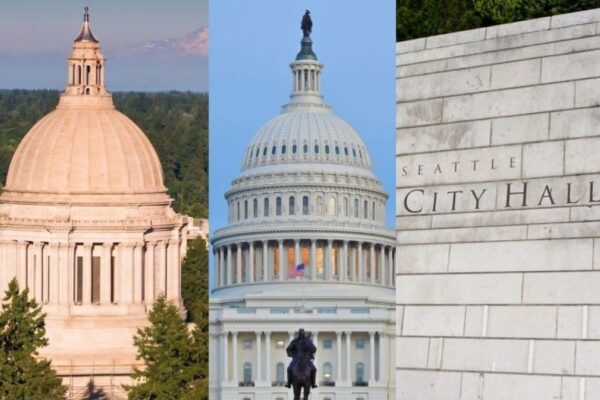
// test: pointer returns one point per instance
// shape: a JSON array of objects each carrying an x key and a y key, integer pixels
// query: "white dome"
[{"x": 306, "y": 134}]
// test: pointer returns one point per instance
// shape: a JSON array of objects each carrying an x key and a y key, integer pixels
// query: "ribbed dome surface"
[
  {"x": 86, "y": 151},
  {"x": 310, "y": 134}
]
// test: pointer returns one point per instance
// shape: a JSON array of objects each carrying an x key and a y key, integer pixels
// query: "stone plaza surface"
[{"x": 498, "y": 187}]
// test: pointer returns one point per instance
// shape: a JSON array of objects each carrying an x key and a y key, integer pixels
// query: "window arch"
[
  {"x": 264, "y": 151},
  {"x": 292, "y": 205},
  {"x": 353, "y": 152},
  {"x": 366, "y": 210},
  {"x": 305, "y": 205},
  {"x": 247, "y": 372},
  {"x": 360, "y": 372},
  {"x": 273, "y": 150},
  {"x": 337, "y": 150},
  {"x": 332, "y": 206},
  {"x": 238, "y": 210},
  {"x": 245, "y": 209},
  {"x": 278, "y": 206},
  {"x": 294, "y": 149},
  {"x": 266, "y": 207},
  {"x": 283, "y": 149},
  {"x": 346, "y": 151},
  {"x": 319, "y": 209},
  {"x": 326, "y": 149},
  {"x": 373, "y": 213},
  {"x": 327, "y": 372},
  {"x": 356, "y": 210},
  {"x": 255, "y": 208},
  {"x": 316, "y": 149},
  {"x": 280, "y": 373},
  {"x": 305, "y": 148},
  {"x": 257, "y": 152}
]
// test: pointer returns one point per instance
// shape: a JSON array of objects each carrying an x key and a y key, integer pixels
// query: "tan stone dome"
[{"x": 78, "y": 151}]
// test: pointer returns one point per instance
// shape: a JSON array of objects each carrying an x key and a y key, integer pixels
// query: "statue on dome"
[
  {"x": 302, "y": 373},
  {"x": 306, "y": 24}
]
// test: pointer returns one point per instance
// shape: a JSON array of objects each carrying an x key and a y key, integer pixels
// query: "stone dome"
[
  {"x": 302, "y": 134},
  {"x": 84, "y": 150}
]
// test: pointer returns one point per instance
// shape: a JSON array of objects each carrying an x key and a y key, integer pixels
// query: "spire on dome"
[
  {"x": 86, "y": 32},
  {"x": 306, "y": 51}
]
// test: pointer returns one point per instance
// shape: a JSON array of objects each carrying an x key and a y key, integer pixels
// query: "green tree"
[
  {"x": 23, "y": 375},
  {"x": 173, "y": 368}
]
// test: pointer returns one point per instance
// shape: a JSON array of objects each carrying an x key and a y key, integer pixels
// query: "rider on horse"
[{"x": 301, "y": 345}]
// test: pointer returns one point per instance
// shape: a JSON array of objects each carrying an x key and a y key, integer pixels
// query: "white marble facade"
[
  {"x": 86, "y": 225},
  {"x": 307, "y": 195},
  {"x": 497, "y": 175}
]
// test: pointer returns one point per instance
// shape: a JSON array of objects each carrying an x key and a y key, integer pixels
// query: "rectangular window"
[
  {"x": 96, "y": 280},
  {"x": 79, "y": 280},
  {"x": 327, "y": 344},
  {"x": 248, "y": 344},
  {"x": 360, "y": 344}
]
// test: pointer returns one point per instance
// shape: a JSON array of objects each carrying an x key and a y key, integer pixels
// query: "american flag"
[{"x": 296, "y": 271}]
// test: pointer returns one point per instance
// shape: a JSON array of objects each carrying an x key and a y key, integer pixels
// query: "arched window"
[
  {"x": 245, "y": 209},
  {"x": 247, "y": 372},
  {"x": 345, "y": 207},
  {"x": 264, "y": 151},
  {"x": 353, "y": 152},
  {"x": 346, "y": 151},
  {"x": 255, "y": 207},
  {"x": 373, "y": 214},
  {"x": 305, "y": 149},
  {"x": 238, "y": 210},
  {"x": 257, "y": 152},
  {"x": 87, "y": 74},
  {"x": 360, "y": 372},
  {"x": 360, "y": 154},
  {"x": 316, "y": 149},
  {"x": 273, "y": 150},
  {"x": 292, "y": 205},
  {"x": 278, "y": 206},
  {"x": 305, "y": 205},
  {"x": 356, "y": 208},
  {"x": 366, "y": 210},
  {"x": 294, "y": 149},
  {"x": 266, "y": 207},
  {"x": 332, "y": 206},
  {"x": 326, "y": 149},
  {"x": 327, "y": 374},
  {"x": 79, "y": 74},
  {"x": 280, "y": 373},
  {"x": 337, "y": 150},
  {"x": 283, "y": 149},
  {"x": 319, "y": 209}
]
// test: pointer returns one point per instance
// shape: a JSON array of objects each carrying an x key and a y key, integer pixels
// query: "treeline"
[
  {"x": 175, "y": 122},
  {"x": 420, "y": 18}
]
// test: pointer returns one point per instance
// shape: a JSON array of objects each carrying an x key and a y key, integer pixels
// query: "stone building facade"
[
  {"x": 87, "y": 226},
  {"x": 306, "y": 195},
  {"x": 498, "y": 185}
]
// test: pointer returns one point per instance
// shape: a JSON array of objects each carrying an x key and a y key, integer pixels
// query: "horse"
[{"x": 301, "y": 377}]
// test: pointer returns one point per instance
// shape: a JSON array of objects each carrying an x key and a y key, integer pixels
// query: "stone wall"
[{"x": 498, "y": 187}]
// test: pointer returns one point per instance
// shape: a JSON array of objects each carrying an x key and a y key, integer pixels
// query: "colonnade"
[
  {"x": 94, "y": 273},
  {"x": 227, "y": 372},
  {"x": 340, "y": 260}
]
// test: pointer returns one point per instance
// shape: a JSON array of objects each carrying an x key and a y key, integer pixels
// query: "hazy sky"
[
  {"x": 37, "y": 36},
  {"x": 252, "y": 44}
]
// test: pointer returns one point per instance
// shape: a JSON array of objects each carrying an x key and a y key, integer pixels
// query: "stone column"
[
  {"x": 222, "y": 267},
  {"x": 229, "y": 265},
  {"x": 338, "y": 365},
  {"x": 372, "y": 262},
  {"x": 381, "y": 264},
  {"x": 126, "y": 273},
  {"x": 86, "y": 290},
  {"x": 225, "y": 343},
  {"x": 349, "y": 356},
  {"x": 251, "y": 262},
  {"x": 371, "y": 357},
  {"x": 54, "y": 274},
  {"x": 281, "y": 261},
  {"x": 137, "y": 274},
  {"x": 361, "y": 263},
  {"x": 176, "y": 272},
  {"x": 258, "y": 357},
  {"x": 234, "y": 360},
  {"x": 213, "y": 368},
  {"x": 315, "y": 336},
  {"x": 22, "y": 264},
  {"x": 392, "y": 281},
  {"x": 38, "y": 271},
  {"x": 353, "y": 263},
  {"x": 160, "y": 272},
  {"x": 268, "y": 358},
  {"x": 150, "y": 273},
  {"x": 344, "y": 264},
  {"x": 238, "y": 264},
  {"x": 105, "y": 275},
  {"x": 382, "y": 352},
  {"x": 313, "y": 259},
  {"x": 328, "y": 267},
  {"x": 265, "y": 261},
  {"x": 30, "y": 274},
  {"x": 65, "y": 274},
  {"x": 297, "y": 258}
]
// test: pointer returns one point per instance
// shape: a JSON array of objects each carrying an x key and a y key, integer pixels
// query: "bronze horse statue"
[{"x": 301, "y": 372}]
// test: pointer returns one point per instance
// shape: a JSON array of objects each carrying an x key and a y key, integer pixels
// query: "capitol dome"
[{"x": 85, "y": 153}]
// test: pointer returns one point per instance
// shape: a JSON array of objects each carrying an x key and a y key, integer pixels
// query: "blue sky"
[
  {"x": 37, "y": 36},
  {"x": 252, "y": 44}
]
